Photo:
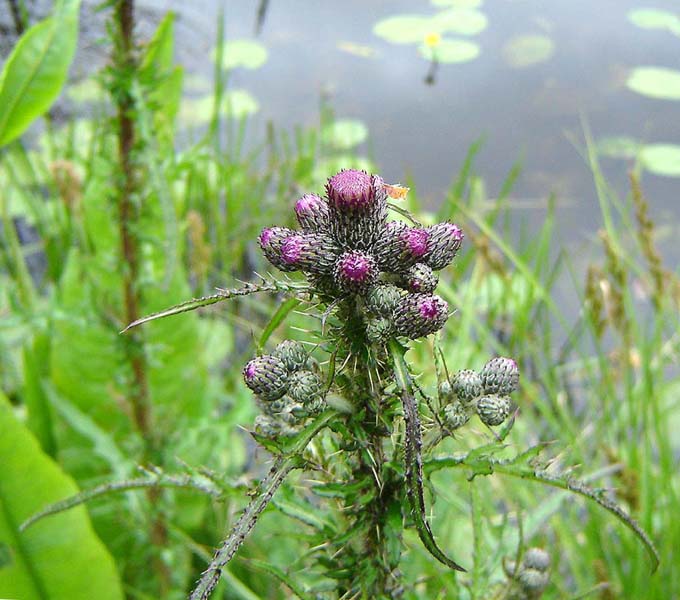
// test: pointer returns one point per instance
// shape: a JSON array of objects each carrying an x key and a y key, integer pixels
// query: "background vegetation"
[{"x": 107, "y": 219}]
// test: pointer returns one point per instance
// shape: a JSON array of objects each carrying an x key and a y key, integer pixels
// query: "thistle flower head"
[
  {"x": 382, "y": 299},
  {"x": 355, "y": 272},
  {"x": 467, "y": 385},
  {"x": 266, "y": 376},
  {"x": 536, "y": 558},
  {"x": 305, "y": 387},
  {"x": 312, "y": 213},
  {"x": 351, "y": 190},
  {"x": 420, "y": 278},
  {"x": 292, "y": 354},
  {"x": 500, "y": 376},
  {"x": 310, "y": 252},
  {"x": 444, "y": 241},
  {"x": 379, "y": 331},
  {"x": 493, "y": 409},
  {"x": 455, "y": 415},
  {"x": 271, "y": 240},
  {"x": 418, "y": 315},
  {"x": 415, "y": 241}
]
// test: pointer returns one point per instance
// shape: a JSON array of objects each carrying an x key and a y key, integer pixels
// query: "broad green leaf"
[
  {"x": 159, "y": 52},
  {"x": 36, "y": 70},
  {"x": 405, "y": 29},
  {"x": 450, "y": 51},
  {"x": 655, "y": 82},
  {"x": 462, "y": 21},
  {"x": 242, "y": 53},
  {"x": 527, "y": 50},
  {"x": 59, "y": 559},
  {"x": 662, "y": 159},
  {"x": 652, "y": 18},
  {"x": 345, "y": 133}
]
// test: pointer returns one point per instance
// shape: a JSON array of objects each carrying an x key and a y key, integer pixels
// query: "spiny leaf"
[
  {"x": 157, "y": 480},
  {"x": 413, "y": 459}
]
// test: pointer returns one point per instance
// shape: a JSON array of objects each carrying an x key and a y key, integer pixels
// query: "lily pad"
[
  {"x": 622, "y": 147},
  {"x": 450, "y": 51},
  {"x": 655, "y": 82},
  {"x": 87, "y": 91},
  {"x": 652, "y": 18},
  {"x": 458, "y": 3},
  {"x": 242, "y": 53},
  {"x": 405, "y": 29},
  {"x": 345, "y": 133},
  {"x": 662, "y": 159},
  {"x": 236, "y": 104},
  {"x": 462, "y": 21},
  {"x": 527, "y": 50}
]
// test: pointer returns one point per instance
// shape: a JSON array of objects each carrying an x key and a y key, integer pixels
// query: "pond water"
[{"x": 533, "y": 113}]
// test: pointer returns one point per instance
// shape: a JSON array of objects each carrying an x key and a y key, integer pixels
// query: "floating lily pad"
[
  {"x": 450, "y": 51},
  {"x": 652, "y": 18},
  {"x": 622, "y": 147},
  {"x": 345, "y": 133},
  {"x": 662, "y": 159},
  {"x": 86, "y": 91},
  {"x": 236, "y": 104},
  {"x": 404, "y": 29},
  {"x": 462, "y": 21},
  {"x": 242, "y": 53},
  {"x": 528, "y": 50},
  {"x": 334, "y": 164},
  {"x": 655, "y": 82},
  {"x": 458, "y": 3}
]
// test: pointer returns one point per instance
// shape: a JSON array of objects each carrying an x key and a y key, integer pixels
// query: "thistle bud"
[
  {"x": 399, "y": 246},
  {"x": 444, "y": 241},
  {"x": 312, "y": 252},
  {"x": 267, "y": 425},
  {"x": 355, "y": 272},
  {"x": 379, "y": 331},
  {"x": 420, "y": 278},
  {"x": 455, "y": 415},
  {"x": 312, "y": 213},
  {"x": 305, "y": 387},
  {"x": 382, "y": 299},
  {"x": 533, "y": 581},
  {"x": 292, "y": 354},
  {"x": 271, "y": 239},
  {"x": 266, "y": 376},
  {"x": 536, "y": 558},
  {"x": 418, "y": 315},
  {"x": 445, "y": 392},
  {"x": 493, "y": 409},
  {"x": 467, "y": 385},
  {"x": 500, "y": 376},
  {"x": 358, "y": 208}
]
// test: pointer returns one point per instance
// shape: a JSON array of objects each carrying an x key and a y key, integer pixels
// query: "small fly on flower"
[{"x": 396, "y": 191}]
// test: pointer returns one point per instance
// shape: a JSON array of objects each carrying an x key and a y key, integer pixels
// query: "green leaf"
[
  {"x": 344, "y": 134},
  {"x": 36, "y": 70},
  {"x": 242, "y": 53},
  {"x": 655, "y": 82},
  {"x": 662, "y": 159},
  {"x": 528, "y": 50},
  {"x": 277, "y": 318},
  {"x": 405, "y": 29},
  {"x": 652, "y": 18},
  {"x": 450, "y": 51},
  {"x": 60, "y": 559}
]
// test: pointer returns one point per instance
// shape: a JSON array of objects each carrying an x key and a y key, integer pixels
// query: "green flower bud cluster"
[
  {"x": 486, "y": 393},
  {"x": 287, "y": 391},
  {"x": 532, "y": 577}
]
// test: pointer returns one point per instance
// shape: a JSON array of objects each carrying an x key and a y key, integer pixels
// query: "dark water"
[{"x": 423, "y": 130}]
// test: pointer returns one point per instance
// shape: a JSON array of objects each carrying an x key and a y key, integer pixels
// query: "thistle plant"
[{"x": 345, "y": 406}]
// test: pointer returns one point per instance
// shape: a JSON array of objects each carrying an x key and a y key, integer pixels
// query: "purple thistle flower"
[
  {"x": 355, "y": 272},
  {"x": 420, "y": 278},
  {"x": 416, "y": 241},
  {"x": 266, "y": 376},
  {"x": 312, "y": 213},
  {"x": 351, "y": 190},
  {"x": 445, "y": 239},
  {"x": 271, "y": 241},
  {"x": 289, "y": 250},
  {"x": 418, "y": 315}
]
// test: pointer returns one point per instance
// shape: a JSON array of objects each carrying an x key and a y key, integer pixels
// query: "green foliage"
[
  {"x": 36, "y": 70},
  {"x": 62, "y": 558}
]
